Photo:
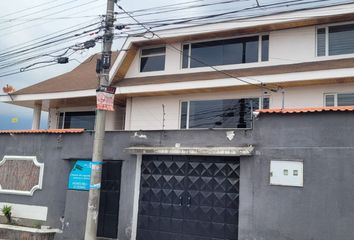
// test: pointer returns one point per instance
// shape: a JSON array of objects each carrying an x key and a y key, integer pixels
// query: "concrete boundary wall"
[{"x": 322, "y": 209}]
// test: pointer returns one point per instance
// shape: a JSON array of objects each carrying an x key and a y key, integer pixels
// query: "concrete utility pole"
[{"x": 97, "y": 157}]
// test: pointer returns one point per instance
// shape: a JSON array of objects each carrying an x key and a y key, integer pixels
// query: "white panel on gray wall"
[{"x": 287, "y": 173}]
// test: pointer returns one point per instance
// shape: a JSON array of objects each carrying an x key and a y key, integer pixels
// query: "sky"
[{"x": 25, "y": 22}]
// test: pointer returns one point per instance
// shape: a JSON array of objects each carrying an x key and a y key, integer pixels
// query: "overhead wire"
[
  {"x": 46, "y": 43},
  {"x": 213, "y": 17},
  {"x": 36, "y": 25},
  {"x": 40, "y": 39}
]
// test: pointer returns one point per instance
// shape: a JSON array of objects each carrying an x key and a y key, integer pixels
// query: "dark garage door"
[{"x": 188, "y": 198}]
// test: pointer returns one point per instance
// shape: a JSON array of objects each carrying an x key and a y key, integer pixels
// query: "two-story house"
[
  {"x": 211, "y": 76},
  {"x": 196, "y": 160}
]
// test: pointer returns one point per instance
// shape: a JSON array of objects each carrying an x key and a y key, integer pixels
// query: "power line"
[
  {"x": 197, "y": 20},
  {"x": 45, "y": 43},
  {"x": 51, "y": 14},
  {"x": 26, "y": 9},
  {"x": 186, "y": 8},
  {"x": 20, "y": 46}
]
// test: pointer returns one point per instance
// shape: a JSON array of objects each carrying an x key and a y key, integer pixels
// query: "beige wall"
[
  {"x": 292, "y": 45},
  {"x": 146, "y": 113}
]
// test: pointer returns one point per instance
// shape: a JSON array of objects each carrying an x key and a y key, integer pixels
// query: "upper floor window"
[
  {"x": 84, "y": 120},
  {"x": 152, "y": 59},
  {"x": 339, "y": 99},
  {"x": 335, "y": 40},
  {"x": 226, "y": 51},
  {"x": 225, "y": 113}
]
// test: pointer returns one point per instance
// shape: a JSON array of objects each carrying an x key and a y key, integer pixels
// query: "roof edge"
[{"x": 306, "y": 110}]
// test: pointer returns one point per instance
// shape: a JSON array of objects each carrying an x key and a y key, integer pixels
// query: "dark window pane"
[
  {"x": 266, "y": 103},
  {"x": 61, "y": 118},
  {"x": 329, "y": 100},
  {"x": 184, "y": 109},
  {"x": 346, "y": 99},
  {"x": 321, "y": 42},
  {"x": 84, "y": 120},
  {"x": 207, "y": 53},
  {"x": 185, "y": 56},
  {"x": 251, "y": 51},
  {"x": 154, "y": 63},
  {"x": 151, "y": 51},
  {"x": 223, "y": 52},
  {"x": 230, "y": 113},
  {"x": 265, "y": 48},
  {"x": 341, "y": 39},
  {"x": 233, "y": 53}
]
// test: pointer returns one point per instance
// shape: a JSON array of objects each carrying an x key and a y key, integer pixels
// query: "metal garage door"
[{"x": 189, "y": 198}]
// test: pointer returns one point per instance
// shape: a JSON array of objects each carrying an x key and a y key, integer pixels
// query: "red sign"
[{"x": 105, "y": 98}]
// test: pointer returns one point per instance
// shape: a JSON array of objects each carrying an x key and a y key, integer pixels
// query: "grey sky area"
[{"x": 25, "y": 23}]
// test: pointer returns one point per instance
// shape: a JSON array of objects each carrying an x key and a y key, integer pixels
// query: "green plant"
[{"x": 7, "y": 211}]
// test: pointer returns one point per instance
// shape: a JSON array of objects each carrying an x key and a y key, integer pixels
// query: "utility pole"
[{"x": 97, "y": 157}]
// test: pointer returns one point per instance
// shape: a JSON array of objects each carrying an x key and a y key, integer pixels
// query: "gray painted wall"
[{"x": 323, "y": 209}]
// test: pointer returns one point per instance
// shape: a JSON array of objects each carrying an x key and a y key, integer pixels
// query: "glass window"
[
  {"x": 345, "y": 99},
  {"x": 340, "y": 40},
  {"x": 84, "y": 120},
  {"x": 266, "y": 103},
  {"x": 152, "y": 59},
  {"x": 265, "y": 48},
  {"x": 184, "y": 109},
  {"x": 227, "y": 113},
  {"x": 330, "y": 100},
  {"x": 185, "y": 56},
  {"x": 321, "y": 42},
  {"x": 224, "y": 52}
]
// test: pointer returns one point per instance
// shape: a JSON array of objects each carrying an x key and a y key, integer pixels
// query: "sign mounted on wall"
[
  {"x": 105, "y": 98},
  {"x": 80, "y": 176}
]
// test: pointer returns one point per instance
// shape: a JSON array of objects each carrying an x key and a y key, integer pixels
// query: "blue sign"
[{"x": 80, "y": 176}]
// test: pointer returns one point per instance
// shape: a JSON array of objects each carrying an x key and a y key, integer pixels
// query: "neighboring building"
[{"x": 282, "y": 172}]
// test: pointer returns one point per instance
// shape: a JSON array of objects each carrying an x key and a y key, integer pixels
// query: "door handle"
[
  {"x": 180, "y": 201},
  {"x": 189, "y": 201}
]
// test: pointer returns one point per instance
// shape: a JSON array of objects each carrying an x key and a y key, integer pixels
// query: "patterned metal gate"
[
  {"x": 189, "y": 198},
  {"x": 109, "y": 200}
]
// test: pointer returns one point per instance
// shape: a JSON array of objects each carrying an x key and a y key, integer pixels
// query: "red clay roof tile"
[
  {"x": 308, "y": 110},
  {"x": 42, "y": 131}
]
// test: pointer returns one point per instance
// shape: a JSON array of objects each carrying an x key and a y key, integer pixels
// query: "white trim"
[
  {"x": 230, "y": 82},
  {"x": 36, "y": 163},
  {"x": 139, "y": 159},
  {"x": 44, "y": 96},
  {"x": 193, "y": 151}
]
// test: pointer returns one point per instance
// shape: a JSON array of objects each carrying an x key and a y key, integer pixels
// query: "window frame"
[
  {"x": 260, "y": 40},
  {"x": 64, "y": 115},
  {"x": 335, "y": 94},
  {"x": 335, "y": 99},
  {"x": 261, "y": 102},
  {"x": 326, "y": 27},
  {"x": 152, "y": 55}
]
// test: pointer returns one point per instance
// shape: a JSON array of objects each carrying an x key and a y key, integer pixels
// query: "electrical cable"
[
  {"x": 2, "y": 56},
  {"x": 51, "y": 14},
  {"x": 20, "y": 46}
]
